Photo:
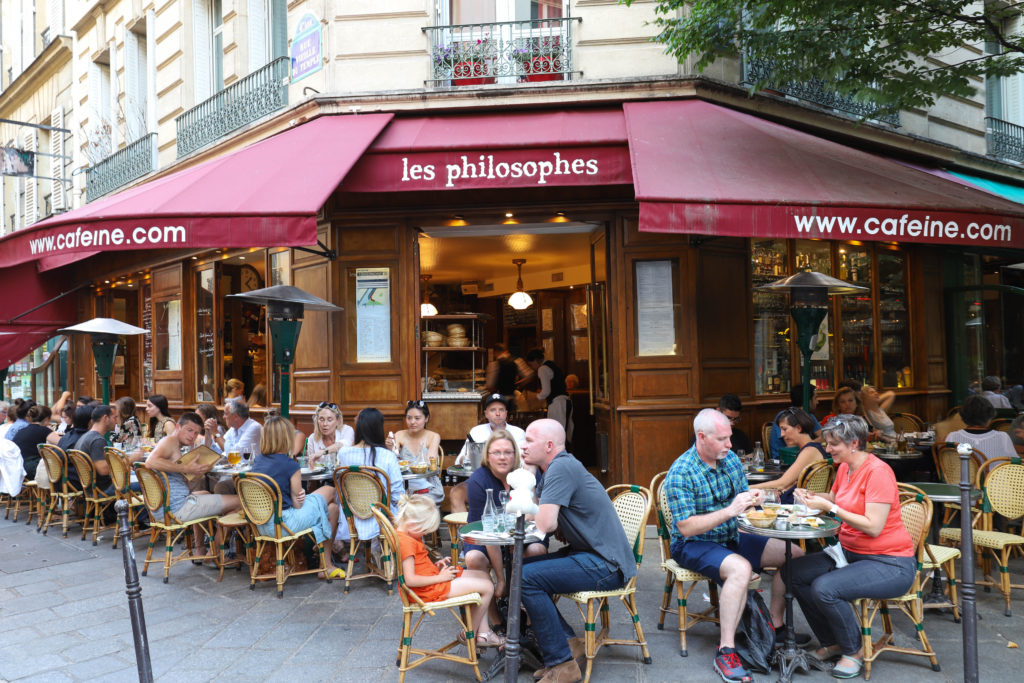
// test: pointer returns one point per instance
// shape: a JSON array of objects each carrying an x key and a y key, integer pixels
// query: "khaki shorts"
[{"x": 195, "y": 507}]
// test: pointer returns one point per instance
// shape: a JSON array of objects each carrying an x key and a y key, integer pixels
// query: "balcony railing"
[
  {"x": 818, "y": 91},
  {"x": 501, "y": 52},
  {"x": 258, "y": 94},
  {"x": 1004, "y": 140},
  {"x": 120, "y": 168}
]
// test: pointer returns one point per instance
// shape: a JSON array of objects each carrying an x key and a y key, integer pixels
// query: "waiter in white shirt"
[{"x": 496, "y": 412}]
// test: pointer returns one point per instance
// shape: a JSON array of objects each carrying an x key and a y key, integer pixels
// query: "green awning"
[{"x": 1014, "y": 193}]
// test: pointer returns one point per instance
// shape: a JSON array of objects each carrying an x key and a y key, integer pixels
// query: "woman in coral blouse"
[{"x": 876, "y": 545}]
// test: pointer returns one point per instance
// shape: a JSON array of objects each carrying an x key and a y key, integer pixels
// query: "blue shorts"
[{"x": 706, "y": 557}]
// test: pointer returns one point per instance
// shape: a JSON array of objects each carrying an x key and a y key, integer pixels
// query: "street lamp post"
[
  {"x": 105, "y": 334},
  {"x": 809, "y": 292},
  {"x": 285, "y": 308}
]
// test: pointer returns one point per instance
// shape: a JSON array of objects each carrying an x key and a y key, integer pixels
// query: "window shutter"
[
  {"x": 258, "y": 38},
  {"x": 201, "y": 30},
  {"x": 55, "y": 13},
  {"x": 279, "y": 28},
  {"x": 57, "y": 161},
  {"x": 3, "y": 205},
  {"x": 113, "y": 91},
  {"x": 31, "y": 208},
  {"x": 134, "y": 93},
  {"x": 1012, "y": 86}
]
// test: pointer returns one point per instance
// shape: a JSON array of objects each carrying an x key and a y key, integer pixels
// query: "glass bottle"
[
  {"x": 758, "y": 460},
  {"x": 489, "y": 518}
]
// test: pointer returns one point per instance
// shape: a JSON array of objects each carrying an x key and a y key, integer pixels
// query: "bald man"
[{"x": 597, "y": 555}]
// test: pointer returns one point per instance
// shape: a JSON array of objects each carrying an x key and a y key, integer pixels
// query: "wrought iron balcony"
[
  {"x": 120, "y": 168},
  {"x": 258, "y": 94},
  {"x": 501, "y": 52},
  {"x": 1004, "y": 140},
  {"x": 819, "y": 91}
]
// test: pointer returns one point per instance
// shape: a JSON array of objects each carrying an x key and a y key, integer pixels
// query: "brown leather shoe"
[
  {"x": 578, "y": 647},
  {"x": 566, "y": 672}
]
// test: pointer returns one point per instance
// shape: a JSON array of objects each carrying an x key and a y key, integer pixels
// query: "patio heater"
[
  {"x": 105, "y": 334},
  {"x": 808, "y": 295},
  {"x": 285, "y": 307}
]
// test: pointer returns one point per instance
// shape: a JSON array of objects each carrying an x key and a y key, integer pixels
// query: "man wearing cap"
[{"x": 496, "y": 412}]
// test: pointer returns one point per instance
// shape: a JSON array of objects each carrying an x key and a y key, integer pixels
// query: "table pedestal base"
[{"x": 789, "y": 661}]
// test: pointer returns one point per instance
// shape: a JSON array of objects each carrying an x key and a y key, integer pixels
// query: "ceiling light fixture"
[
  {"x": 427, "y": 309},
  {"x": 520, "y": 300}
]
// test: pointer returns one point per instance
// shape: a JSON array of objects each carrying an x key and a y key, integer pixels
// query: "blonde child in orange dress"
[{"x": 435, "y": 581}]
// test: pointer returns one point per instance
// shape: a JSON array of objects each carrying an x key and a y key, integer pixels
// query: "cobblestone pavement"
[{"x": 64, "y": 616}]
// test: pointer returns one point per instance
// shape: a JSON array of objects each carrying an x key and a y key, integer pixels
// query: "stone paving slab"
[{"x": 64, "y": 617}]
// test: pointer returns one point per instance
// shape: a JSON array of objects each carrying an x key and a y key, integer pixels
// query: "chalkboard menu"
[
  {"x": 514, "y": 318},
  {"x": 147, "y": 340}
]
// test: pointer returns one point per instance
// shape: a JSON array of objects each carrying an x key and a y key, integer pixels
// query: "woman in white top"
[
  {"x": 977, "y": 413},
  {"x": 416, "y": 440},
  {"x": 330, "y": 435},
  {"x": 875, "y": 407}
]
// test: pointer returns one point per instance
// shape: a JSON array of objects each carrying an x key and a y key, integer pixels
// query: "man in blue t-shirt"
[{"x": 597, "y": 555}]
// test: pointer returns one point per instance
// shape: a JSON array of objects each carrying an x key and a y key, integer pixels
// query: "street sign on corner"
[{"x": 307, "y": 47}]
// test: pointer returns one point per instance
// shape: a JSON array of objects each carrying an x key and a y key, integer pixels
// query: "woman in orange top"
[
  {"x": 876, "y": 545},
  {"x": 436, "y": 581}
]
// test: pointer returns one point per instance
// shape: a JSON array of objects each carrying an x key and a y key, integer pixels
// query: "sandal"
[
  {"x": 848, "y": 671},
  {"x": 490, "y": 639},
  {"x": 821, "y": 663}
]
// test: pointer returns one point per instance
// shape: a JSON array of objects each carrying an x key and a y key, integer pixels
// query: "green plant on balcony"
[
  {"x": 466, "y": 62},
  {"x": 540, "y": 58}
]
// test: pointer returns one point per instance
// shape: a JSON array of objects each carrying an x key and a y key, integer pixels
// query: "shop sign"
[
  {"x": 307, "y": 47},
  {"x": 465, "y": 170},
  {"x": 16, "y": 162}
]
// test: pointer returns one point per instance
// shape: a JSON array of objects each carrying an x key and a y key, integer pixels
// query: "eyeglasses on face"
[{"x": 325, "y": 404}]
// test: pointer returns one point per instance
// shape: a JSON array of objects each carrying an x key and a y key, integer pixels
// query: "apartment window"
[
  {"x": 217, "y": 54},
  {"x": 268, "y": 31},
  {"x": 101, "y": 124},
  {"x": 136, "y": 77},
  {"x": 208, "y": 47},
  {"x": 486, "y": 11}
]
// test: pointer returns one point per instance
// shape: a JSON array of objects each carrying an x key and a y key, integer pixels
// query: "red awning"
[
  {"x": 499, "y": 150},
  {"x": 267, "y": 194},
  {"x": 704, "y": 169},
  {"x": 26, "y": 289}
]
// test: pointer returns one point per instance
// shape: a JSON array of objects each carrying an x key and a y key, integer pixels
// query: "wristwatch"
[{"x": 834, "y": 510}]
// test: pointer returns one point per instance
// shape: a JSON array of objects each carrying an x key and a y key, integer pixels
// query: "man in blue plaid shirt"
[{"x": 706, "y": 490}]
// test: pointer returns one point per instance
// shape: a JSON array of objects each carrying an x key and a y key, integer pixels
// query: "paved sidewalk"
[{"x": 64, "y": 616}]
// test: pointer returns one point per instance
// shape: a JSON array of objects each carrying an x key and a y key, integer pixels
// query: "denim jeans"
[
  {"x": 825, "y": 593},
  {"x": 554, "y": 574}
]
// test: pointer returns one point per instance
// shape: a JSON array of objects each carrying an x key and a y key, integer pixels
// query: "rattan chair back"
[
  {"x": 632, "y": 504},
  {"x": 947, "y": 462},
  {"x": 83, "y": 465},
  {"x": 1002, "y": 424},
  {"x": 260, "y": 497},
  {"x": 916, "y": 513},
  {"x": 662, "y": 515},
  {"x": 361, "y": 486},
  {"x": 766, "y": 438},
  {"x": 906, "y": 422},
  {"x": 56, "y": 464},
  {"x": 817, "y": 477},
  {"x": 154, "y": 488},
  {"x": 120, "y": 470},
  {"x": 1004, "y": 489},
  {"x": 389, "y": 534}
]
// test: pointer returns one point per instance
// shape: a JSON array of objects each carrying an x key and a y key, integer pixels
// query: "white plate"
[
  {"x": 312, "y": 470},
  {"x": 808, "y": 512}
]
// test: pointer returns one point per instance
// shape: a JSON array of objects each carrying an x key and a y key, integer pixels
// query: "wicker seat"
[
  {"x": 906, "y": 422},
  {"x": 454, "y": 521},
  {"x": 154, "y": 493},
  {"x": 235, "y": 525},
  {"x": 359, "y": 487},
  {"x": 633, "y": 505},
  {"x": 63, "y": 493},
  {"x": 947, "y": 464},
  {"x": 261, "y": 503},
  {"x": 413, "y": 605},
  {"x": 96, "y": 499},
  {"x": 1002, "y": 486},
  {"x": 674, "y": 574},
  {"x": 916, "y": 511},
  {"x": 120, "y": 475},
  {"x": 31, "y": 496}
]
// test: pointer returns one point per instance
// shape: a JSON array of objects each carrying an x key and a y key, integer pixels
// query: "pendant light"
[
  {"x": 427, "y": 309},
  {"x": 520, "y": 300}
]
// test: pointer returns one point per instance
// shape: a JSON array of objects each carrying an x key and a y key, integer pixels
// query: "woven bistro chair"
[
  {"x": 413, "y": 605},
  {"x": 261, "y": 502},
  {"x": 236, "y": 526},
  {"x": 1001, "y": 481},
  {"x": 120, "y": 475},
  {"x": 906, "y": 422},
  {"x": 674, "y": 574},
  {"x": 455, "y": 520},
  {"x": 766, "y": 438},
  {"x": 96, "y": 499},
  {"x": 817, "y": 477},
  {"x": 154, "y": 493},
  {"x": 947, "y": 464},
  {"x": 633, "y": 506},
  {"x": 31, "y": 496},
  {"x": 359, "y": 487},
  {"x": 63, "y": 493},
  {"x": 916, "y": 511}
]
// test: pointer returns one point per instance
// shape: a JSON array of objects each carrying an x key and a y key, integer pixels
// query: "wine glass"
[
  {"x": 510, "y": 517},
  {"x": 770, "y": 499}
]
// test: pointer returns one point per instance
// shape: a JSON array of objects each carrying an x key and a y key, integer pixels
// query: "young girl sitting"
[{"x": 432, "y": 582}]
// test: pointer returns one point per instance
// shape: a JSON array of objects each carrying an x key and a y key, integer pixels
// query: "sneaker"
[{"x": 729, "y": 666}]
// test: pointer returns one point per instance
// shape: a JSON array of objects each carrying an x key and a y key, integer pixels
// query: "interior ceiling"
[{"x": 453, "y": 260}]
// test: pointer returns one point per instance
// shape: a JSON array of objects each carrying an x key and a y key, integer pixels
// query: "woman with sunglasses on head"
[
  {"x": 877, "y": 547},
  {"x": 329, "y": 435},
  {"x": 798, "y": 429}
]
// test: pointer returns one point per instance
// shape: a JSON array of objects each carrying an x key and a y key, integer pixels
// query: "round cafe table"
[
  {"x": 767, "y": 475},
  {"x": 940, "y": 493},
  {"x": 789, "y": 657}
]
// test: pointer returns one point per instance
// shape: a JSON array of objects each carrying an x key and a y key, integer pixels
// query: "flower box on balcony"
[
  {"x": 542, "y": 68},
  {"x": 471, "y": 73}
]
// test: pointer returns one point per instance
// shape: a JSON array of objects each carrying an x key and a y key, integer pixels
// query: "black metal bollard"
[
  {"x": 134, "y": 591},
  {"x": 514, "y": 600},
  {"x": 967, "y": 588}
]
